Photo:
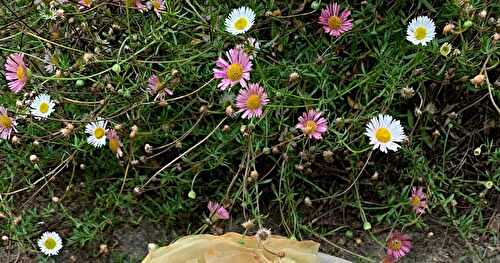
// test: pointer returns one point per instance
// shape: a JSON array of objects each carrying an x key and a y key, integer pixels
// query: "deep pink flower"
[
  {"x": 250, "y": 101},
  {"x": 333, "y": 23},
  {"x": 418, "y": 200},
  {"x": 156, "y": 6},
  {"x": 156, "y": 87},
  {"x": 312, "y": 124},
  {"x": 114, "y": 142},
  {"x": 16, "y": 72},
  {"x": 236, "y": 70},
  {"x": 398, "y": 245},
  {"x": 85, "y": 4},
  {"x": 7, "y": 124},
  {"x": 217, "y": 211}
]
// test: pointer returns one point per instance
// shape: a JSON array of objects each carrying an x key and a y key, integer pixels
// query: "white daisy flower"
[
  {"x": 97, "y": 133},
  {"x": 421, "y": 31},
  {"x": 384, "y": 133},
  {"x": 50, "y": 243},
  {"x": 42, "y": 106},
  {"x": 240, "y": 20}
]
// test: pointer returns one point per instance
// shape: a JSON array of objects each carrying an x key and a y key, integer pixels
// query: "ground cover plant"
[{"x": 369, "y": 126}]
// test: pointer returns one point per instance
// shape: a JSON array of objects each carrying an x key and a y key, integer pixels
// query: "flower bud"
[
  {"x": 230, "y": 111},
  {"x": 468, "y": 24},
  {"x": 477, "y": 151},
  {"x": 148, "y": 148},
  {"x": 367, "y": 226},
  {"x": 33, "y": 158},
  {"x": 483, "y": 14},
  {"x": 478, "y": 80},
  {"x": 116, "y": 68},
  {"x": 79, "y": 83},
  {"x": 192, "y": 194}
]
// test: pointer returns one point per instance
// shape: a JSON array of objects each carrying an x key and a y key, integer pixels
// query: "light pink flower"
[
  {"x": 333, "y": 23},
  {"x": 156, "y": 6},
  {"x": 7, "y": 124},
  {"x": 312, "y": 124},
  {"x": 398, "y": 245},
  {"x": 236, "y": 70},
  {"x": 217, "y": 211},
  {"x": 85, "y": 4},
  {"x": 16, "y": 72},
  {"x": 114, "y": 143},
  {"x": 137, "y": 4},
  {"x": 250, "y": 101},
  {"x": 418, "y": 200},
  {"x": 156, "y": 87}
]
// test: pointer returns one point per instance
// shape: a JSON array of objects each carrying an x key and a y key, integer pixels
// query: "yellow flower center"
[
  {"x": 44, "y": 107},
  {"x": 253, "y": 102},
  {"x": 50, "y": 243},
  {"x": 420, "y": 33},
  {"x": 415, "y": 201},
  {"x": 99, "y": 132},
  {"x": 334, "y": 22},
  {"x": 234, "y": 72},
  {"x": 241, "y": 23},
  {"x": 156, "y": 4},
  {"x": 310, "y": 127},
  {"x": 383, "y": 135},
  {"x": 54, "y": 59},
  {"x": 394, "y": 244},
  {"x": 87, "y": 2},
  {"x": 20, "y": 72},
  {"x": 114, "y": 144},
  {"x": 5, "y": 121}
]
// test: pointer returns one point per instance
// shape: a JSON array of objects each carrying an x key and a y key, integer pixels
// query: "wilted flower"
[
  {"x": 445, "y": 49},
  {"x": 217, "y": 211},
  {"x": 114, "y": 143},
  {"x": 448, "y": 28},
  {"x": 157, "y": 6},
  {"x": 478, "y": 80},
  {"x": 85, "y": 4},
  {"x": 156, "y": 87},
  {"x": 263, "y": 234},
  {"x": 418, "y": 200}
]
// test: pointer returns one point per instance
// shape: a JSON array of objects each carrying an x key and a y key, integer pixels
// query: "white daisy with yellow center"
[
  {"x": 50, "y": 243},
  {"x": 384, "y": 133},
  {"x": 97, "y": 133},
  {"x": 240, "y": 20},
  {"x": 42, "y": 106},
  {"x": 421, "y": 31}
]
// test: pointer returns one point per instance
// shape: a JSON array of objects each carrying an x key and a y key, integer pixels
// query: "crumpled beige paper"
[{"x": 234, "y": 248}]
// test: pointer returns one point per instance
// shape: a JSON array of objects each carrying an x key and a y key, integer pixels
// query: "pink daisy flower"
[
  {"x": 85, "y": 4},
  {"x": 398, "y": 245},
  {"x": 418, "y": 200},
  {"x": 217, "y": 211},
  {"x": 114, "y": 143},
  {"x": 7, "y": 124},
  {"x": 250, "y": 101},
  {"x": 156, "y": 6},
  {"x": 312, "y": 124},
  {"x": 16, "y": 72},
  {"x": 156, "y": 87},
  {"x": 236, "y": 70},
  {"x": 137, "y": 4},
  {"x": 333, "y": 22}
]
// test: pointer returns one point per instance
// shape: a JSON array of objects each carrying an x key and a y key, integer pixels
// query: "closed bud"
[
  {"x": 468, "y": 24},
  {"x": 148, "y": 148},
  {"x": 15, "y": 139},
  {"x": 483, "y": 14},
  {"x": 316, "y": 5},
  {"x": 367, "y": 226},
  {"x": 226, "y": 128},
  {"x": 152, "y": 247},
  {"x": 307, "y": 201},
  {"x": 138, "y": 191},
  {"x": 294, "y": 76},
  {"x": 116, "y": 68},
  {"x": 82, "y": 166},
  {"x": 477, "y": 151},
  {"x": 55, "y": 199},
  {"x": 33, "y": 158},
  {"x": 254, "y": 175},
  {"x": 204, "y": 108}
]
